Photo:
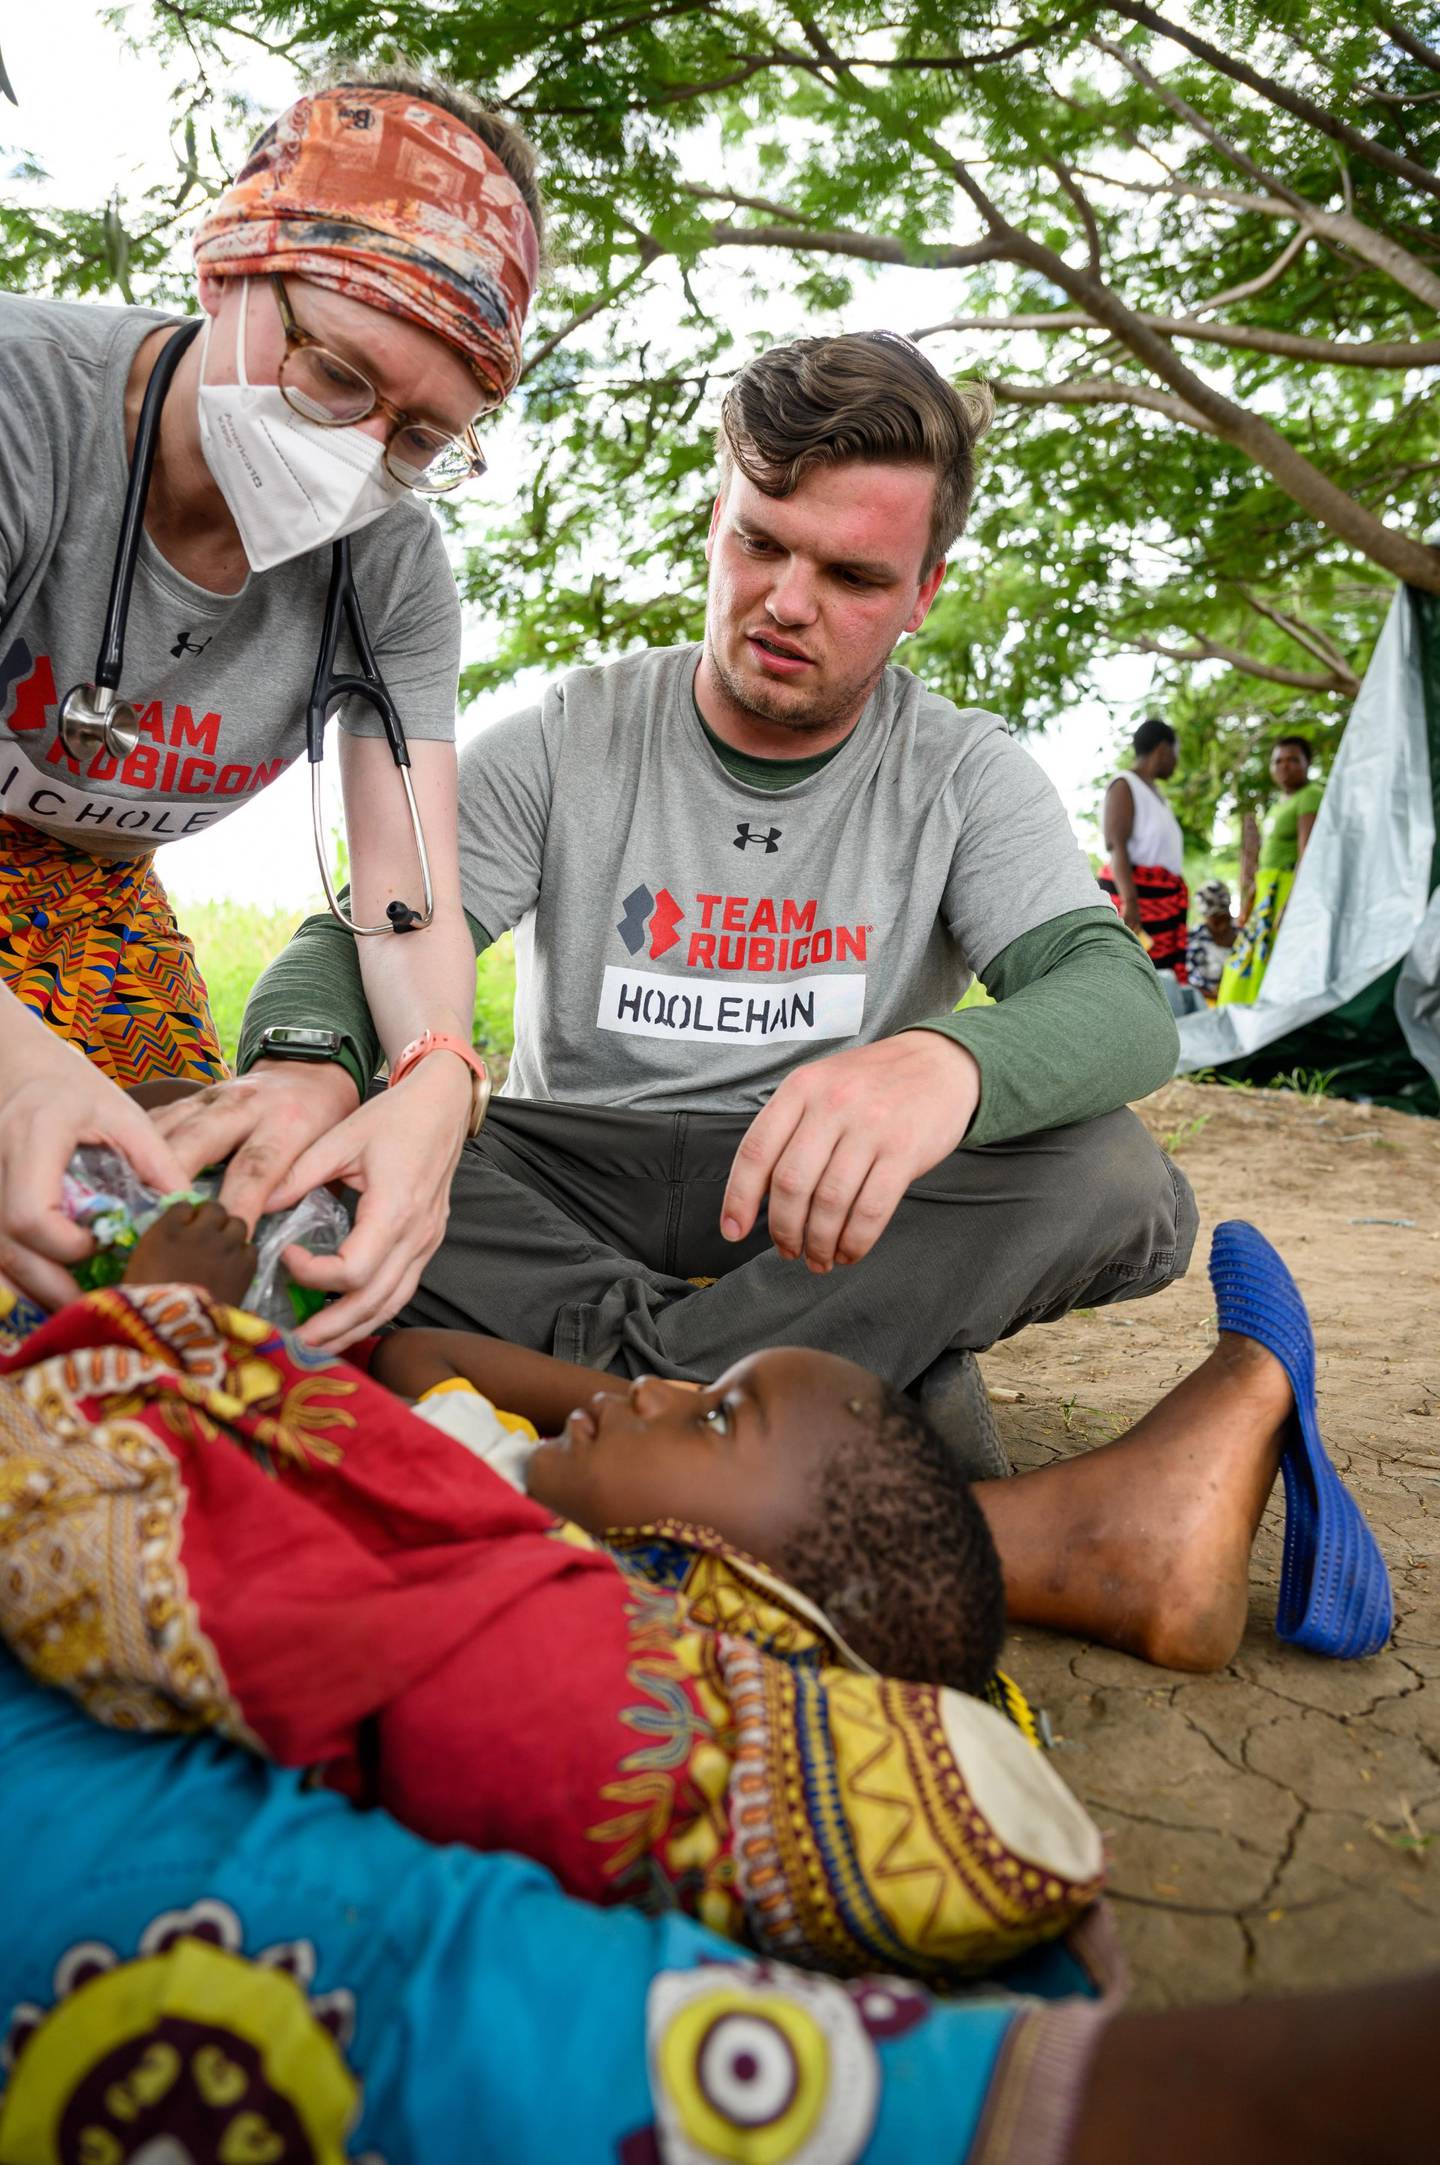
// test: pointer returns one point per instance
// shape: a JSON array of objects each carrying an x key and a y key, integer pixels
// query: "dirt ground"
[{"x": 1276, "y": 1826}]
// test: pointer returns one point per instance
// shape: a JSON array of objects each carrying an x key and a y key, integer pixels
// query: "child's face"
[{"x": 744, "y": 1457}]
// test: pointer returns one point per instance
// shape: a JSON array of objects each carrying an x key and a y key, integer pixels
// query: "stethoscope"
[{"x": 93, "y": 719}]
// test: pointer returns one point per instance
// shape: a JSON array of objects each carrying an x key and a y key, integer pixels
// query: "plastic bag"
[{"x": 102, "y": 1193}]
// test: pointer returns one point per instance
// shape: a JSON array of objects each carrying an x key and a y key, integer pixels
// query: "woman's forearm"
[
  {"x": 1122, "y": 871},
  {"x": 419, "y": 981}
]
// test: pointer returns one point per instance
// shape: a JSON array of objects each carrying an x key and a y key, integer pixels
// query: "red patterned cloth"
[
  {"x": 202, "y": 1526},
  {"x": 394, "y": 201},
  {"x": 1164, "y": 911}
]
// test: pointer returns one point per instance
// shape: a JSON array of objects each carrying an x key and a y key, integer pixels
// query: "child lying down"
[{"x": 267, "y": 1542}]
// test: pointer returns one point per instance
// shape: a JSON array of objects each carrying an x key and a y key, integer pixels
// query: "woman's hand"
[
  {"x": 400, "y": 1150},
  {"x": 51, "y": 1101}
]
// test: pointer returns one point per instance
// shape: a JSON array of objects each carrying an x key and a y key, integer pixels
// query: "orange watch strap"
[{"x": 444, "y": 1041}]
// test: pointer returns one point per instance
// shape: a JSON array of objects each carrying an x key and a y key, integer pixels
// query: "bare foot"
[
  {"x": 1145, "y": 1544},
  {"x": 195, "y": 1244}
]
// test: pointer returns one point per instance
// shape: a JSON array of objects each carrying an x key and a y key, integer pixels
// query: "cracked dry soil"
[{"x": 1276, "y": 1826}]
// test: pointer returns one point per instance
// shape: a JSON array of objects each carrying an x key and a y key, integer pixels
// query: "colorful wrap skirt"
[
  {"x": 1244, "y": 973},
  {"x": 207, "y": 1528},
  {"x": 1164, "y": 908},
  {"x": 91, "y": 946}
]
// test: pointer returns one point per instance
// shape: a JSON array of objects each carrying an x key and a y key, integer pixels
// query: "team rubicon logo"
[
  {"x": 736, "y": 967},
  {"x": 750, "y": 934}
]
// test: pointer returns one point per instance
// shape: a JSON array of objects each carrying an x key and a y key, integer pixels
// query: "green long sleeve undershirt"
[{"x": 1080, "y": 1025}]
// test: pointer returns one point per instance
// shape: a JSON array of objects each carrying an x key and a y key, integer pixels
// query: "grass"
[
  {"x": 1308, "y": 1082},
  {"x": 1185, "y": 1133},
  {"x": 235, "y": 941}
]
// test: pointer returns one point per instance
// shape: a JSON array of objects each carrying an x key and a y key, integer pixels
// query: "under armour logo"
[
  {"x": 769, "y": 841},
  {"x": 184, "y": 644}
]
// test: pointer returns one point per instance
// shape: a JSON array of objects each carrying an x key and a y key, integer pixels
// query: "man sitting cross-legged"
[{"x": 749, "y": 880}]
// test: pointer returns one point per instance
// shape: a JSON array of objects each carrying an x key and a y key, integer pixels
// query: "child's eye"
[{"x": 718, "y": 1417}]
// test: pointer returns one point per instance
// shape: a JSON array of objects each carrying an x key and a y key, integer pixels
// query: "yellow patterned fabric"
[
  {"x": 894, "y": 1826},
  {"x": 91, "y": 946},
  {"x": 93, "y": 1596},
  {"x": 723, "y": 1589}
]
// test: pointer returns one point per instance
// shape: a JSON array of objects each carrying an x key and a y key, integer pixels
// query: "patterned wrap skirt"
[
  {"x": 1244, "y": 973},
  {"x": 91, "y": 946},
  {"x": 1164, "y": 908}
]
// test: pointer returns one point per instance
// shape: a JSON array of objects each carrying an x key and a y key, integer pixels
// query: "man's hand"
[
  {"x": 842, "y": 1139},
  {"x": 1130, "y": 912},
  {"x": 260, "y": 1124}
]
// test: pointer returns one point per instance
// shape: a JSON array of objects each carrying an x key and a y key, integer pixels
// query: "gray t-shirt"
[
  {"x": 683, "y": 938},
  {"x": 219, "y": 680}
]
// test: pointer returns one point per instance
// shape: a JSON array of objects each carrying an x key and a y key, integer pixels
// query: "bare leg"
[
  {"x": 1145, "y": 1543},
  {"x": 1341, "y": 2078}
]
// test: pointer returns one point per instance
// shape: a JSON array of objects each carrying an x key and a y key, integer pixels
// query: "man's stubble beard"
[{"x": 847, "y": 702}]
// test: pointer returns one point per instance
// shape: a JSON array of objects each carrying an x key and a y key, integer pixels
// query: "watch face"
[{"x": 290, "y": 1042}]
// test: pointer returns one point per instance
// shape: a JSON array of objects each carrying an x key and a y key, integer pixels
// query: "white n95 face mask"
[{"x": 290, "y": 485}]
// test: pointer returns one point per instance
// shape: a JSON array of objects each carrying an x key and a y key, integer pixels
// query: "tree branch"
[
  {"x": 1407, "y": 41},
  {"x": 1348, "y": 231},
  {"x": 1214, "y": 650},
  {"x": 1264, "y": 206},
  {"x": 648, "y": 255},
  {"x": 1082, "y": 204},
  {"x": 1263, "y": 444},
  {"x": 1305, "y": 635},
  {"x": 1289, "y": 101},
  {"x": 785, "y": 212},
  {"x": 1338, "y": 353},
  {"x": 1297, "y": 242},
  {"x": 1103, "y": 391},
  {"x": 869, "y": 247}
]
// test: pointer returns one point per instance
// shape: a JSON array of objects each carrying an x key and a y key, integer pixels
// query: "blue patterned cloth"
[{"x": 198, "y": 1948}]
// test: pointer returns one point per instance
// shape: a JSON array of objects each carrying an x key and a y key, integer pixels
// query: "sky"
[{"x": 103, "y": 120}]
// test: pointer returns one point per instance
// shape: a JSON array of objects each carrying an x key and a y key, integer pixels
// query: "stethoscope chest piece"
[{"x": 93, "y": 720}]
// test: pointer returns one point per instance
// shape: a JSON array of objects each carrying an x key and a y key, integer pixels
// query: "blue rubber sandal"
[{"x": 1334, "y": 1588}]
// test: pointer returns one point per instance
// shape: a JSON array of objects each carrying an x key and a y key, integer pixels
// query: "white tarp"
[{"x": 1363, "y": 887}]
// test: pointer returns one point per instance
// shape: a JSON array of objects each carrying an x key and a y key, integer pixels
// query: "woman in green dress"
[{"x": 1269, "y": 862}]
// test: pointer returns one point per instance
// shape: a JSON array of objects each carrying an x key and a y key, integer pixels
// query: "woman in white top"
[{"x": 1145, "y": 850}]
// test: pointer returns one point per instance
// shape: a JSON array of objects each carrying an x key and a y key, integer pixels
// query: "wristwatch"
[
  {"x": 285, "y": 1041},
  {"x": 441, "y": 1041}
]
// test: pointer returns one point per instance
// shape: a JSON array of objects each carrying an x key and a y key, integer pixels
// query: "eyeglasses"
[{"x": 321, "y": 387}]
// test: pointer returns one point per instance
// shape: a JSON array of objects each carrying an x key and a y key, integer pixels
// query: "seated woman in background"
[
  {"x": 1211, "y": 938},
  {"x": 1268, "y": 865}
]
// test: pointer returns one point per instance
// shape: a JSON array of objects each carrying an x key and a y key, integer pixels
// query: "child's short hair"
[{"x": 899, "y": 1554}]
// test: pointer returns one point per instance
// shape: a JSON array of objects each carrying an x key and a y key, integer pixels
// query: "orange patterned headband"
[{"x": 393, "y": 201}]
